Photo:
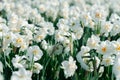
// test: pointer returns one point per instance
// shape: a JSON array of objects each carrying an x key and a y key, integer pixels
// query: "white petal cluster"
[
  {"x": 34, "y": 34},
  {"x": 34, "y": 53},
  {"x": 21, "y": 74},
  {"x": 69, "y": 67},
  {"x": 19, "y": 61},
  {"x": 37, "y": 68}
]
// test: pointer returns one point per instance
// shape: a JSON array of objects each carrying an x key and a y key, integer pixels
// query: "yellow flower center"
[
  {"x": 98, "y": 15},
  {"x": 118, "y": 47},
  {"x": 16, "y": 30},
  {"x": 40, "y": 37},
  {"x": 70, "y": 66},
  {"x": 19, "y": 40},
  {"x": 58, "y": 36},
  {"x": 73, "y": 24},
  {"x": 91, "y": 23},
  {"x": 35, "y": 52},
  {"x": 21, "y": 76},
  {"x": 22, "y": 46},
  {"x": 107, "y": 60},
  {"x": 107, "y": 26},
  {"x": 86, "y": 17},
  {"x": 93, "y": 44},
  {"x": 104, "y": 49},
  {"x": 7, "y": 37},
  {"x": 1, "y": 30},
  {"x": 118, "y": 67}
]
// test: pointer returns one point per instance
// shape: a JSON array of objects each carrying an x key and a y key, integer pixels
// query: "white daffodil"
[
  {"x": 106, "y": 27},
  {"x": 57, "y": 49},
  {"x": 13, "y": 18},
  {"x": 7, "y": 50},
  {"x": 69, "y": 67},
  {"x": 21, "y": 74},
  {"x": 44, "y": 44},
  {"x": 34, "y": 52},
  {"x": 59, "y": 27},
  {"x": 74, "y": 24},
  {"x": 78, "y": 32},
  {"x": 18, "y": 40},
  {"x": 116, "y": 29},
  {"x": 84, "y": 50},
  {"x": 74, "y": 12},
  {"x": 107, "y": 60},
  {"x": 86, "y": 18},
  {"x": 50, "y": 49},
  {"x": 116, "y": 67},
  {"x": 93, "y": 41},
  {"x": 116, "y": 45},
  {"x": 40, "y": 35},
  {"x": 37, "y": 67},
  {"x": 8, "y": 38},
  {"x": 62, "y": 25},
  {"x": 19, "y": 9},
  {"x": 19, "y": 61},
  {"x": 3, "y": 29},
  {"x": 50, "y": 28},
  {"x": 29, "y": 33},
  {"x": 60, "y": 35},
  {"x": 98, "y": 13},
  {"x": 115, "y": 19},
  {"x": 23, "y": 47},
  {"x": 64, "y": 9},
  {"x": 42, "y": 8},
  {"x": 67, "y": 49},
  {"x": 105, "y": 47}
]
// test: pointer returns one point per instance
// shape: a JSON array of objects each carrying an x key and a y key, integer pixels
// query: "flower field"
[{"x": 59, "y": 40}]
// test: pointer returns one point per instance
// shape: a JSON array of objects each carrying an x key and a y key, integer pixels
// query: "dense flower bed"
[{"x": 59, "y": 40}]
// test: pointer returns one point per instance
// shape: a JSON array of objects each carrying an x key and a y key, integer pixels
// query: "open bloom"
[
  {"x": 18, "y": 40},
  {"x": 69, "y": 67},
  {"x": 98, "y": 13},
  {"x": 8, "y": 37},
  {"x": 115, "y": 19},
  {"x": 18, "y": 61},
  {"x": 37, "y": 67},
  {"x": 21, "y": 74},
  {"x": 116, "y": 67},
  {"x": 105, "y": 47},
  {"x": 34, "y": 52},
  {"x": 107, "y": 60},
  {"x": 44, "y": 44},
  {"x": 106, "y": 27},
  {"x": 93, "y": 41},
  {"x": 116, "y": 45},
  {"x": 40, "y": 35}
]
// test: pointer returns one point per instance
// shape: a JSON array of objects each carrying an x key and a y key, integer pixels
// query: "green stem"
[
  {"x": 71, "y": 46},
  {"x": 43, "y": 73}
]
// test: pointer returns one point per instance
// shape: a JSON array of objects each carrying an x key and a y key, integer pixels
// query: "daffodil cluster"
[{"x": 59, "y": 39}]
